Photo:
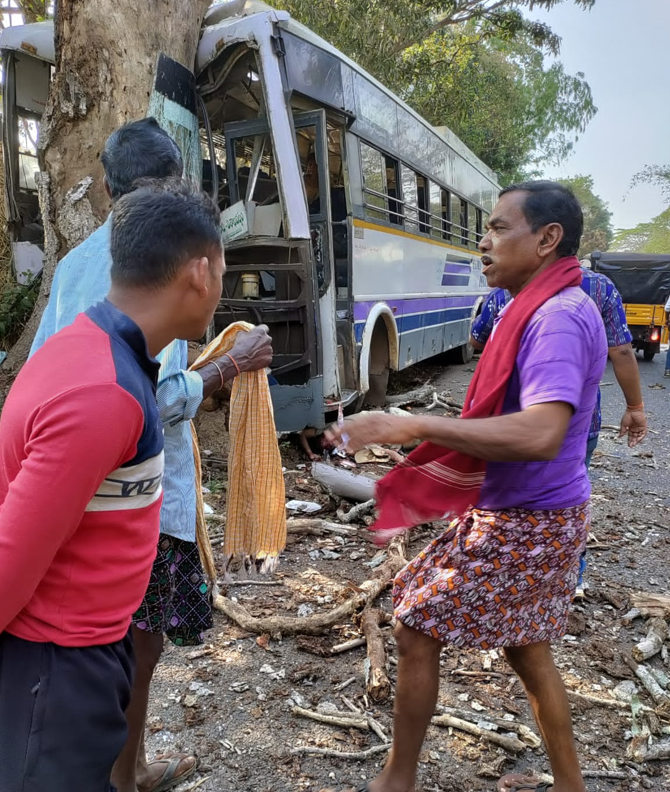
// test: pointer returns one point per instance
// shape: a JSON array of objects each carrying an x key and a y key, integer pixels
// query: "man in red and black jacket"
[{"x": 81, "y": 463}]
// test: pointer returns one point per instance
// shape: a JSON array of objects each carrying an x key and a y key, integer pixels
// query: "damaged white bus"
[{"x": 350, "y": 224}]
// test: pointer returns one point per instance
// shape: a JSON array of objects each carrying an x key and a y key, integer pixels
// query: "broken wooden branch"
[
  {"x": 628, "y": 618},
  {"x": 377, "y": 682},
  {"x": 340, "y": 719},
  {"x": 354, "y": 643},
  {"x": 319, "y": 623},
  {"x": 478, "y": 674},
  {"x": 587, "y": 698},
  {"x": 312, "y": 526},
  {"x": 350, "y": 705},
  {"x": 611, "y": 775},
  {"x": 661, "y": 750},
  {"x": 508, "y": 743},
  {"x": 444, "y": 398},
  {"x": 525, "y": 734},
  {"x": 650, "y": 604},
  {"x": 652, "y": 687},
  {"x": 344, "y": 684},
  {"x": 437, "y": 402},
  {"x": 420, "y": 395},
  {"x": 338, "y": 481},
  {"x": 355, "y": 755},
  {"x": 356, "y": 512},
  {"x": 657, "y": 634}
]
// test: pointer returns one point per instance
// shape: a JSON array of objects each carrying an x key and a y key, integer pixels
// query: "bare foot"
[{"x": 166, "y": 768}]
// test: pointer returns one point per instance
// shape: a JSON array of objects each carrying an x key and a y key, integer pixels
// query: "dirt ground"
[{"x": 230, "y": 701}]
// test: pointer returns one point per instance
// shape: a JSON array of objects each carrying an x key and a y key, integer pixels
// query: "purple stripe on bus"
[
  {"x": 455, "y": 280},
  {"x": 415, "y": 305},
  {"x": 457, "y": 269}
]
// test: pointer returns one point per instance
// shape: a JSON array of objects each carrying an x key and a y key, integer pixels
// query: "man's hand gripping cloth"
[
  {"x": 255, "y": 529},
  {"x": 435, "y": 482}
]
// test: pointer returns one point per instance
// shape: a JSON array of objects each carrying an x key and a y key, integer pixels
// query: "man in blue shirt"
[
  {"x": 177, "y": 602},
  {"x": 605, "y": 295}
]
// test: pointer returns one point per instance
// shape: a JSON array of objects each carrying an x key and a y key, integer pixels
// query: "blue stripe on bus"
[{"x": 418, "y": 321}]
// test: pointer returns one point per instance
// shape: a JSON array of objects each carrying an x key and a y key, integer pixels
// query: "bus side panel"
[{"x": 431, "y": 289}]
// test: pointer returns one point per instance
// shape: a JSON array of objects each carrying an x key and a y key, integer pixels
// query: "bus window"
[
  {"x": 446, "y": 214},
  {"x": 374, "y": 183},
  {"x": 479, "y": 229},
  {"x": 436, "y": 211},
  {"x": 455, "y": 218},
  {"x": 411, "y": 199},
  {"x": 464, "y": 223},
  {"x": 472, "y": 226},
  {"x": 424, "y": 208},
  {"x": 394, "y": 204},
  {"x": 256, "y": 171}
]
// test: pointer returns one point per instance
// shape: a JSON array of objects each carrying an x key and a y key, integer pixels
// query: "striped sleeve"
[
  {"x": 179, "y": 392},
  {"x": 614, "y": 318}
]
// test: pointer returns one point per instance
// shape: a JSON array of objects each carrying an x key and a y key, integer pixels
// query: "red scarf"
[{"x": 435, "y": 482}]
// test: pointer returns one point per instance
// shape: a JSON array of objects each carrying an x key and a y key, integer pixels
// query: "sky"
[{"x": 624, "y": 51}]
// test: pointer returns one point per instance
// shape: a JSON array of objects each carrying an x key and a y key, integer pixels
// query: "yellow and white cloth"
[{"x": 255, "y": 527}]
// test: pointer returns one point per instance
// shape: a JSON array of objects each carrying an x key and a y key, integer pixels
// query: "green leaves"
[
  {"x": 476, "y": 66},
  {"x": 598, "y": 232},
  {"x": 16, "y": 305},
  {"x": 651, "y": 237}
]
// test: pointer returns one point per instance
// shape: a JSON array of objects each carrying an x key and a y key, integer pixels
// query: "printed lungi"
[{"x": 495, "y": 578}]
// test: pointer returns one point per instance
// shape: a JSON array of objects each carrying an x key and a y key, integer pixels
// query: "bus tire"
[
  {"x": 648, "y": 354},
  {"x": 463, "y": 354},
  {"x": 379, "y": 368}
]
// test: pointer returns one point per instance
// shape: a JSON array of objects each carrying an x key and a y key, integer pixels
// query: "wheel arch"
[{"x": 379, "y": 313}]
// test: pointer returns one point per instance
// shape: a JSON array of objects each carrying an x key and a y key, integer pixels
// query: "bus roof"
[
  {"x": 226, "y": 23},
  {"x": 36, "y": 39},
  {"x": 213, "y": 39}
]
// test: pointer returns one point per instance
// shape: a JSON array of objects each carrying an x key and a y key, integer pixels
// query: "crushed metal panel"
[
  {"x": 248, "y": 27},
  {"x": 313, "y": 72},
  {"x": 36, "y": 40}
]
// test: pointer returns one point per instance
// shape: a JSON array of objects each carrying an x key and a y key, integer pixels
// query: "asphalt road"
[{"x": 650, "y": 472}]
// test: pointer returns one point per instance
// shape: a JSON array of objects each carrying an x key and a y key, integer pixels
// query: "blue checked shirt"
[
  {"x": 82, "y": 279},
  {"x": 603, "y": 293}
]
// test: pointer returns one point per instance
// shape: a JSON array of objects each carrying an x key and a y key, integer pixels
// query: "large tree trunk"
[{"x": 106, "y": 52}]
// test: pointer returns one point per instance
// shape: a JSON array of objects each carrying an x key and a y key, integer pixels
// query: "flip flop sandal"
[{"x": 169, "y": 778}]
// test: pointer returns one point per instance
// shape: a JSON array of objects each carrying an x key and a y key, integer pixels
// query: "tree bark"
[{"x": 106, "y": 53}]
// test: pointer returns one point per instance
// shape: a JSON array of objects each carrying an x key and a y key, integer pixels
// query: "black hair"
[
  {"x": 159, "y": 227},
  {"x": 551, "y": 202},
  {"x": 140, "y": 149}
]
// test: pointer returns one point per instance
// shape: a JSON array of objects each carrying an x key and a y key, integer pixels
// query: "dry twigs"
[
  {"x": 650, "y": 604},
  {"x": 420, "y": 395},
  {"x": 343, "y": 719},
  {"x": 357, "y": 511},
  {"x": 354, "y": 755},
  {"x": 319, "y": 623},
  {"x": 377, "y": 681},
  {"x": 659, "y": 696},
  {"x": 317, "y": 527},
  {"x": 508, "y": 743},
  {"x": 657, "y": 634},
  {"x": 587, "y": 698},
  {"x": 525, "y": 734}
]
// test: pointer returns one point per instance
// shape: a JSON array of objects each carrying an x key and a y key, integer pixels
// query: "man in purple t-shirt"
[{"x": 504, "y": 572}]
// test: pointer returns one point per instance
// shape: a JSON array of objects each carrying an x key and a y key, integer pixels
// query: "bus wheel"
[
  {"x": 463, "y": 354},
  {"x": 648, "y": 354},
  {"x": 379, "y": 368}
]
